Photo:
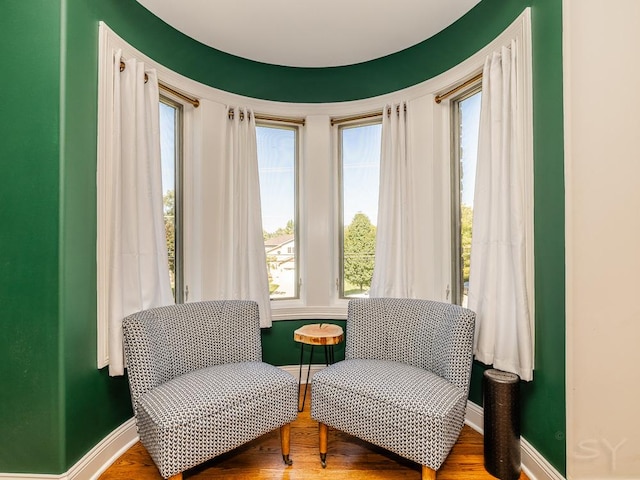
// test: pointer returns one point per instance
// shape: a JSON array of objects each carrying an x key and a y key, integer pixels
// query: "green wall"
[
  {"x": 279, "y": 348},
  {"x": 543, "y": 400},
  {"x": 55, "y": 404},
  {"x": 30, "y": 388}
]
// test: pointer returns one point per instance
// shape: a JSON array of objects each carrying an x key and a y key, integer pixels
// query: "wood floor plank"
[{"x": 347, "y": 458}]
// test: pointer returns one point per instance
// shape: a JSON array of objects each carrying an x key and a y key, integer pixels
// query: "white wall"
[{"x": 602, "y": 140}]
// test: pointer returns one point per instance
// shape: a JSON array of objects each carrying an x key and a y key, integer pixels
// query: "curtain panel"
[
  {"x": 238, "y": 264},
  {"x": 138, "y": 267},
  {"x": 499, "y": 289},
  {"x": 395, "y": 237}
]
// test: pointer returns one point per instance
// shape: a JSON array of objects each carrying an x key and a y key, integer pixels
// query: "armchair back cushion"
[
  {"x": 171, "y": 341},
  {"x": 431, "y": 335}
]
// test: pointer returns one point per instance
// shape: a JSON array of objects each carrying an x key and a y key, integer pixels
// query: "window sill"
[{"x": 333, "y": 312}]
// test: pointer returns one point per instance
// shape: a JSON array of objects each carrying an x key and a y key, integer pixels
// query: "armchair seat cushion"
[
  {"x": 405, "y": 409},
  {"x": 213, "y": 410}
]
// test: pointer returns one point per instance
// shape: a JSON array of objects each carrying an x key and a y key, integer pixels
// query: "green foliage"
[
  {"x": 288, "y": 230},
  {"x": 466, "y": 220},
  {"x": 169, "y": 201},
  {"x": 359, "y": 251},
  {"x": 272, "y": 260}
]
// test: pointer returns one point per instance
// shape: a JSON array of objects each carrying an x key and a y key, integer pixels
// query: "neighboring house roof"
[{"x": 271, "y": 243}]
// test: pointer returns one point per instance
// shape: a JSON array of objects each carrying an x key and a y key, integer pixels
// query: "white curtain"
[
  {"x": 499, "y": 289},
  {"x": 394, "y": 265},
  {"x": 138, "y": 262},
  {"x": 241, "y": 260}
]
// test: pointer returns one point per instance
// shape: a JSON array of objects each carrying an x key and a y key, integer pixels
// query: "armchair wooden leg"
[
  {"x": 428, "y": 473},
  {"x": 177, "y": 476},
  {"x": 322, "y": 430},
  {"x": 285, "y": 436}
]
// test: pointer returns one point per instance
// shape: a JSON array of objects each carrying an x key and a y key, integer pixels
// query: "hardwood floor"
[{"x": 347, "y": 458}]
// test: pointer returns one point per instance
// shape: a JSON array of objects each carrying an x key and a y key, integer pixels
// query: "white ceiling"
[{"x": 304, "y": 34}]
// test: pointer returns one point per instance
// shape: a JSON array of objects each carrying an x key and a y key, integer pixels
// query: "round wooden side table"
[{"x": 317, "y": 334}]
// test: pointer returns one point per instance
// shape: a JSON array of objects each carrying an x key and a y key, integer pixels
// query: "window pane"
[
  {"x": 468, "y": 128},
  {"x": 360, "y": 168},
  {"x": 277, "y": 165},
  {"x": 170, "y": 155}
]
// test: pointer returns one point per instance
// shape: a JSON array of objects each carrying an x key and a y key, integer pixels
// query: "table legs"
[{"x": 329, "y": 359}]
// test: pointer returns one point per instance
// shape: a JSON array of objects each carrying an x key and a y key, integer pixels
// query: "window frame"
[
  {"x": 298, "y": 283},
  {"x": 340, "y": 227},
  {"x": 181, "y": 289},
  {"x": 457, "y": 275}
]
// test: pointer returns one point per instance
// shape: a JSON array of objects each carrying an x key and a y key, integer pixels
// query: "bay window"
[{"x": 319, "y": 186}]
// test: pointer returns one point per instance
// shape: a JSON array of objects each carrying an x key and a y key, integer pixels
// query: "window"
[
  {"x": 171, "y": 155},
  {"x": 277, "y": 164},
  {"x": 360, "y": 177},
  {"x": 466, "y": 125}
]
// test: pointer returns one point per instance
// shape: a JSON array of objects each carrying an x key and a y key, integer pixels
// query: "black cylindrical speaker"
[{"x": 501, "y": 424}]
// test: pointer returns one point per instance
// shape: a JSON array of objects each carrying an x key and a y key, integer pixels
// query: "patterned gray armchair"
[
  {"x": 198, "y": 385},
  {"x": 404, "y": 382}
]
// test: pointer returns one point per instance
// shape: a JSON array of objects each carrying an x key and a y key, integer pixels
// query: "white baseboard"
[
  {"x": 32, "y": 476},
  {"x": 96, "y": 461},
  {"x": 534, "y": 465},
  {"x": 100, "y": 457},
  {"x": 475, "y": 417}
]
